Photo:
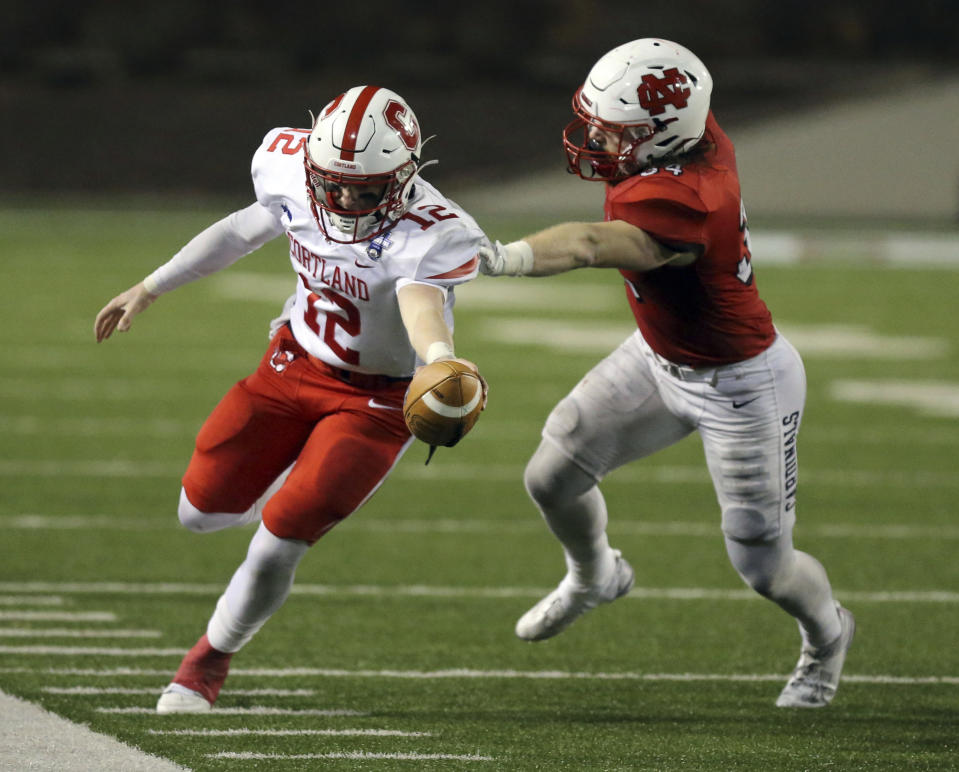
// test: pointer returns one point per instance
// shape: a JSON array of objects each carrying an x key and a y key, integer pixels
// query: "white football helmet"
[
  {"x": 650, "y": 95},
  {"x": 366, "y": 137}
]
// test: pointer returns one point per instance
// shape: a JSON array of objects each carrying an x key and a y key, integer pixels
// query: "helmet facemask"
[
  {"x": 593, "y": 160},
  {"x": 373, "y": 215}
]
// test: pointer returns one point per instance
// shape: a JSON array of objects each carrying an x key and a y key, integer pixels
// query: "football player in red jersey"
[{"x": 705, "y": 357}]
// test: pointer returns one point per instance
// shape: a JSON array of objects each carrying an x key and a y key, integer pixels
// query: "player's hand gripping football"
[
  {"x": 118, "y": 313},
  {"x": 479, "y": 375},
  {"x": 443, "y": 402}
]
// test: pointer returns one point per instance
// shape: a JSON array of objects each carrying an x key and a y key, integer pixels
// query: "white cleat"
[
  {"x": 814, "y": 682},
  {"x": 567, "y": 603},
  {"x": 178, "y": 699}
]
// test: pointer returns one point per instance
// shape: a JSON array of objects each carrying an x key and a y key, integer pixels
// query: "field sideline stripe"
[
  {"x": 532, "y": 525},
  {"x": 433, "y": 591},
  {"x": 472, "y": 674}
]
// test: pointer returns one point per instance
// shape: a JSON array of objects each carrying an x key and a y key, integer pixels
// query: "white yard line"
[
  {"x": 438, "y": 591},
  {"x": 532, "y": 525},
  {"x": 346, "y": 755},
  {"x": 92, "y": 691},
  {"x": 31, "y": 600},
  {"x": 469, "y": 674},
  {"x": 243, "y": 732},
  {"x": 255, "y": 710},
  {"x": 667, "y": 475},
  {"x": 62, "y": 632},
  {"x": 162, "y": 427},
  {"x": 57, "y": 616},
  {"x": 89, "y": 651}
]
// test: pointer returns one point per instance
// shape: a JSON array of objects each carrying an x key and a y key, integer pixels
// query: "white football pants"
[{"x": 634, "y": 403}]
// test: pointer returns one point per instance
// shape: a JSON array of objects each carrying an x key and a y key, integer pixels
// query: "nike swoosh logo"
[
  {"x": 358, "y": 264},
  {"x": 381, "y": 406},
  {"x": 738, "y": 405}
]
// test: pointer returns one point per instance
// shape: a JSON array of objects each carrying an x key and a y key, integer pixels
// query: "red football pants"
[{"x": 345, "y": 437}]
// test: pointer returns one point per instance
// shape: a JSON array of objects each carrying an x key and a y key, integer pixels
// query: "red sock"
[{"x": 203, "y": 669}]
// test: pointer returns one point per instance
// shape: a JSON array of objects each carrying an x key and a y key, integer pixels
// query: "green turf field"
[{"x": 396, "y": 649}]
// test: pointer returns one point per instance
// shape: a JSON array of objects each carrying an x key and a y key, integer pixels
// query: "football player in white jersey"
[{"x": 308, "y": 437}]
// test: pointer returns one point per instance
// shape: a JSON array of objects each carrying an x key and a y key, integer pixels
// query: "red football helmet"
[
  {"x": 640, "y": 101},
  {"x": 367, "y": 140}
]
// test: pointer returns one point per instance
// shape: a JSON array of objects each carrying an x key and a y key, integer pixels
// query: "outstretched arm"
[
  {"x": 220, "y": 245},
  {"x": 613, "y": 244},
  {"x": 421, "y": 307}
]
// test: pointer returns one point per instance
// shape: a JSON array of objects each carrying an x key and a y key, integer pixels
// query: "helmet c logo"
[
  {"x": 655, "y": 93},
  {"x": 400, "y": 118}
]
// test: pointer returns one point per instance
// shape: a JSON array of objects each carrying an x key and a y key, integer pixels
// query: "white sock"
[{"x": 256, "y": 591}]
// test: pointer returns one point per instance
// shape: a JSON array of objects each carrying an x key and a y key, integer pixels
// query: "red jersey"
[{"x": 707, "y": 313}]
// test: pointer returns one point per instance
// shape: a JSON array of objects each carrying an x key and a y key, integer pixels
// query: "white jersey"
[{"x": 346, "y": 311}]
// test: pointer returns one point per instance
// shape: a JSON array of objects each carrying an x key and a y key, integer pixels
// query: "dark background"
[{"x": 172, "y": 98}]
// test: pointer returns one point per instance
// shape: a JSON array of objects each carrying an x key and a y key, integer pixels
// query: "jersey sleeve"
[
  {"x": 277, "y": 167},
  {"x": 216, "y": 247},
  {"x": 667, "y": 210},
  {"x": 452, "y": 258}
]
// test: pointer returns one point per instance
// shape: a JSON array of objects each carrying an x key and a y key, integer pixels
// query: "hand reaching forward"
[{"x": 118, "y": 313}]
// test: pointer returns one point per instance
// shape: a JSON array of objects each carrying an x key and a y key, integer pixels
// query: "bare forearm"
[
  {"x": 573, "y": 245},
  {"x": 421, "y": 308},
  {"x": 564, "y": 247}
]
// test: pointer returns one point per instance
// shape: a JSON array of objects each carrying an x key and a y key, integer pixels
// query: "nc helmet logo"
[{"x": 656, "y": 93}]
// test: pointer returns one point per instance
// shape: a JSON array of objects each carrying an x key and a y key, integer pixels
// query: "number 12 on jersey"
[{"x": 350, "y": 324}]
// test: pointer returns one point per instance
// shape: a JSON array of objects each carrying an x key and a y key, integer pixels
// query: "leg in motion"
[
  {"x": 574, "y": 510},
  {"x": 257, "y": 590},
  {"x": 614, "y": 415},
  {"x": 798, "y": 584},
  {"x": 751, "y": 451}
]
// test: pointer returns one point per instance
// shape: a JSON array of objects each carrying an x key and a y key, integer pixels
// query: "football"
[{"x": 443, "y": 401}]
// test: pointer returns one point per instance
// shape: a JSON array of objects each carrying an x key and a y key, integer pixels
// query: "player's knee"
[
  {"x": 200, "y": 521},
  {"x": 190, "y": 517},
  {"x": 273, "y": 556},
  {"x": 551, "y": 478},
  {"x": 748, "y": 525},
  {"x": 763, "y": 564}
]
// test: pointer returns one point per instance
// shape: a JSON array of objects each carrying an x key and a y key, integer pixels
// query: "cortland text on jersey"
[{"x": 335, "y": 277}]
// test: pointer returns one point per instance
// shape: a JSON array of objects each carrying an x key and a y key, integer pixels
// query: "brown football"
[{"x": 442, "y": 403}]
